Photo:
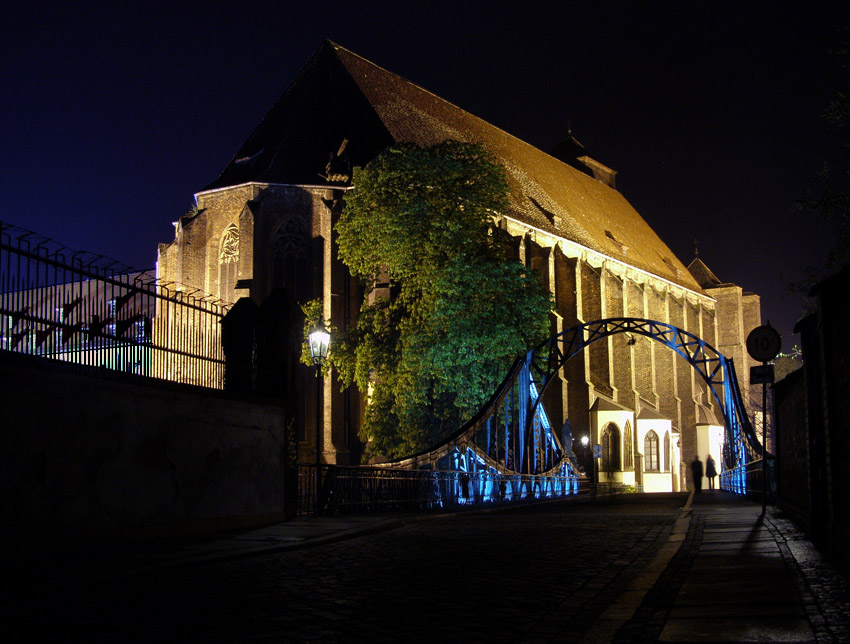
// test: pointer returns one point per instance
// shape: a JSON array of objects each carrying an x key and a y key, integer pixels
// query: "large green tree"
[{"x": 461, "y": 307}]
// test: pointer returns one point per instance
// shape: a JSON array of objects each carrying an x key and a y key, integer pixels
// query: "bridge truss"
[{"x": 510, "y": 447}]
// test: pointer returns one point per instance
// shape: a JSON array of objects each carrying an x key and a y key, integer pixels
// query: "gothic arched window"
[
  {"x": 610, "y": 448},
  {"x": 665, "y": 463},
  {"x": 228, "y": 263},
  {"x": 290, "y": 253},
  {"x": 650, "y": 451},
  {"x": 628, "y": 451}
]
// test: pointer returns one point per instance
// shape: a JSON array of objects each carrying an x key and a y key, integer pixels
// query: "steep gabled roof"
[
  {"x": 650, "y": 413},
  {"x": 604, "y": 403},
  {"x": 340, "y": 95},
  {"x": 321, "y": 107},
  {"x": 703, "y": 274}
]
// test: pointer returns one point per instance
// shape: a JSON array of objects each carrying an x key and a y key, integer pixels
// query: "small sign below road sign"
[
  {"x": 764, "y": 343},
  {"x": 762, "y": 374},
  {"x": 597, "y": 451}
]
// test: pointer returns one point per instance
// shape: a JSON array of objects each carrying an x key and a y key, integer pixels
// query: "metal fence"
[
  {"x": 747, "y": 479},
  {"x": 87, "y": 309},
  {"x": 356, "y": 490}
]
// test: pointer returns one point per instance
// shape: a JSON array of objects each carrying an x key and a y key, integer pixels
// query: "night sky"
[{"x": 112, "y": 118}]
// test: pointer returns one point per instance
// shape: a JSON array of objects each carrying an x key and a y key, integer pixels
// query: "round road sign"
[{"x": 763, "y": 343}]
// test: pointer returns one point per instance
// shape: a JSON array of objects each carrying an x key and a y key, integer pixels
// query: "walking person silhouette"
[
  {"x": 710, "y": 471},
  {"x": 696, "y": 474}
]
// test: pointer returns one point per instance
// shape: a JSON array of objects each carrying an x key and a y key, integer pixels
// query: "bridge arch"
[
  {"x": 718, "y": 371},
  {"x": 548, "y": 357},
  {"x": 512, "y": 435}
]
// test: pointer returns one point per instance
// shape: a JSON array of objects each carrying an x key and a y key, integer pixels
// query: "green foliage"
[{"x": 461, "y": 309}]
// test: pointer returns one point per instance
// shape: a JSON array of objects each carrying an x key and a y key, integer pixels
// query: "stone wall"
[
  {"x": 826, "y": 354},
  {"x": 792, "y": 449},
  {"x": 84, "y": 455}
]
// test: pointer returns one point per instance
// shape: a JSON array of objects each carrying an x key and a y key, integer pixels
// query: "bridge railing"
[
  {"x": 356, "y": 490},
  {"x": 747, "y": 479}
]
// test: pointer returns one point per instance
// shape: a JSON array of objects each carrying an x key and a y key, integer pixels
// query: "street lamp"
[
  {"x": 320, "y": 340},
  {"x": 585, "y": 443}
]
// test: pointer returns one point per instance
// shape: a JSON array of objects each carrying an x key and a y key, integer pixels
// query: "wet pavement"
[{"x": 630, "y": 568}]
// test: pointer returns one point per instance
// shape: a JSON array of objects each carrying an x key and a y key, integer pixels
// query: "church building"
[{"x": 267, "y": 222}]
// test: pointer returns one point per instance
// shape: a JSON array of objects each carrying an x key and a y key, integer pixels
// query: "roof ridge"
[
  {"x": 458, "y": 107},
  {"x": 266, "y": 117},
  {"x": 454, "y": 105},
  {"x": 340, "y": 94},
  {"x": 703, "y": 274}
]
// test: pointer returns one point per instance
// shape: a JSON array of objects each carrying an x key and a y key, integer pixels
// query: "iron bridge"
[{"x": 510, "y": 442}]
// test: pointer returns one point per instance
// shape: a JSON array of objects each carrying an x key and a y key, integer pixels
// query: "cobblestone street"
[
  {"x": 517, "y": 575},
  {"x": 546, "y": 573}
]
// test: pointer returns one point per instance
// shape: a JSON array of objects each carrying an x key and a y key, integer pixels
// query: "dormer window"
[
  {"x": 620, "y": 245},
  {"x": 671, "y": 266}
]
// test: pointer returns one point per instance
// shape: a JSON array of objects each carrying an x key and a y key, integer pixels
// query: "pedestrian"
[
  {"x": 464, "y": 484},
  {"x": 696, "y": 474},
  {"x": 710, "y": 471}
]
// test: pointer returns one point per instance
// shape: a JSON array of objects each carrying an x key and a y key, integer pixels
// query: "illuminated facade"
[
  {"x": 97, "y": 323},
  {"x": 267, "y": 222}
]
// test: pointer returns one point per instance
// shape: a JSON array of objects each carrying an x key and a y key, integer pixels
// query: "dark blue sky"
[{"x": 114, "y": 116}]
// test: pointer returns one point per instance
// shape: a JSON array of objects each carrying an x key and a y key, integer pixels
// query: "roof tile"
[{"x": 340, "y": 95}]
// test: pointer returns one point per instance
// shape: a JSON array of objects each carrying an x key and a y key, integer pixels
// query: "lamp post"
[
  {"x": 320, "y": 340},
  {"x": 585, "y": 443}
]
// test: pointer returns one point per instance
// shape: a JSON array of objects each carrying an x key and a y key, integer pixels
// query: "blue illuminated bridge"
[{"x": 509, "y": 449}]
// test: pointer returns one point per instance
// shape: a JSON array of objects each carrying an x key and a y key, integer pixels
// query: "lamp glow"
[{"x": 320, "y": 340}]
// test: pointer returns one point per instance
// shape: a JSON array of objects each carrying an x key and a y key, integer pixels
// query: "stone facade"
[
  {"x": 598, "y": 258},
  {"x": 285, "y": 241},
  {"x": 280, "y": 224},
  {"x": 737, "y": 312}
]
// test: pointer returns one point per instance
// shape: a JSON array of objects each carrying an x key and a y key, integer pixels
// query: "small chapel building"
[{"x": 267, "y": 222}]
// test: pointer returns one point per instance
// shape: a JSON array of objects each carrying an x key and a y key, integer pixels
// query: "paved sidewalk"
[{"x": 737, "y": 576}]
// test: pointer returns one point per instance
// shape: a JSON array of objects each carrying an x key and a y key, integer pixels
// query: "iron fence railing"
[
  {"x": 353, "y": 490},
  {"x": 747, "y": 479},
  {"x": 86, "y": 309}
]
